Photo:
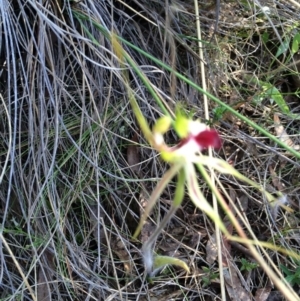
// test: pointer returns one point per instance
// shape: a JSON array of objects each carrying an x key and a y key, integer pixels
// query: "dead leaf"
[
  {"x": 133, "y": 156},
  {"x": 275, "y": 296},
  {"x": 211, "y": 249},
  {"x": 148, "y": 227},
  {"x": 243, "y": 203},
  {"x": 170, "y": 248},
  {"x": 147, "y": 230},
  {"x": 234, "y": 286},
  {"x": 280, "y": 201},
  {"x": 232, "y": 282},
  {"x": 43, "y": 289},
  {"x": 119, "y": 248},
  {"x": 263, "y": 293},
  {"x": 95, "y": 224},
  {"x": 194, "y": 240},
  {"x": 226, "y": 246},
  {"x": 211, "y": 246},
  {"x": 275, "y": 179},
  {"x": 45, "y": 276},
  {"x": 282, "y": 134}
]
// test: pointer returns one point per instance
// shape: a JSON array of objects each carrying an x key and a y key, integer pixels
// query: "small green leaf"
[
  {"x": 161, "y": 261},
  {"x": 271, "y": 92},
  {"x": 283, "y": 47},
  {"x": 206, "y": 269},
  {"x": 247, "y": 265},
  {"x": 206, "y": 281},
  {"x": 286, "y": 270},
  {"x": 295, "y": 43},
  {"x": 218, "y": 112},
  {"x": 274, "y": 95},
  {"x": 292, "y": 279},
  {"x": 265, "y": 37}
]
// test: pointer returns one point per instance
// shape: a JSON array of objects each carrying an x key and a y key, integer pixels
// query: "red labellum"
[{"x": 208, "y": 138}]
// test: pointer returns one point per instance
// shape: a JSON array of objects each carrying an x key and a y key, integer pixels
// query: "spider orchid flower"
[
  {"x": 183, "y": 157},
  {"x": 195, "y": 137}
]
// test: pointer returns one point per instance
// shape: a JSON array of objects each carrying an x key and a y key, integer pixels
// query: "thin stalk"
[{"x": 210, "y": 153}]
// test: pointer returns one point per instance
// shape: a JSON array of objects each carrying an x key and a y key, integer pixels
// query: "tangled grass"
[{"x": 75, "y": 170}]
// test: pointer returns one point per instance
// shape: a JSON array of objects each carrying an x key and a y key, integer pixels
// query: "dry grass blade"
[{"x": 24, "y": 278}]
